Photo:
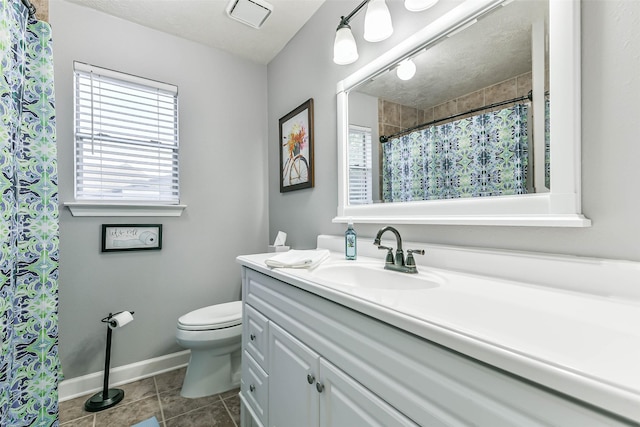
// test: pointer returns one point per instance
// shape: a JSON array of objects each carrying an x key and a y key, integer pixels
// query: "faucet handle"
[
  {"x": 411, "y": 262},
  {"x": 389, "y": 259}
]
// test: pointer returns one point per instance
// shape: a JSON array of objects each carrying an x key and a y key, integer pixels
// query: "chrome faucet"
[{"x": 397, "y": 263}]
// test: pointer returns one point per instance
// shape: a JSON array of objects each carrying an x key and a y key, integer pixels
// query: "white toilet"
[{"x": 213, "y": 334}]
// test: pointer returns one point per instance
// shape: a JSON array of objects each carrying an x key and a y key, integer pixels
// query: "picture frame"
[
  {"x": 296, "y": 148},
  {"x": 131, "y": 237}
]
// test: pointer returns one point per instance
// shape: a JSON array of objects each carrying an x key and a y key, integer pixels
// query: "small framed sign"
[{"x": 131, "y": 237}]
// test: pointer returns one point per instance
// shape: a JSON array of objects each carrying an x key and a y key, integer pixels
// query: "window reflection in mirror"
[{"x": 471, "y": 122}]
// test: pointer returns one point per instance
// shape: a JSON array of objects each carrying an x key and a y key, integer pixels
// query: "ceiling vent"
[{"x": 250, "y": 12}]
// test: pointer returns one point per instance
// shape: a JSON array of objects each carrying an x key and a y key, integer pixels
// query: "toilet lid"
[{"x": 213, "y": 317}]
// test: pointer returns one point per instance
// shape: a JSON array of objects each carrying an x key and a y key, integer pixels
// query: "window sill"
[{"x": 121, "y": 209}]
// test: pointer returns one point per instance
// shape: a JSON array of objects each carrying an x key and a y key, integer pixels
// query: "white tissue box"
[{"x": 272, "y": 248}]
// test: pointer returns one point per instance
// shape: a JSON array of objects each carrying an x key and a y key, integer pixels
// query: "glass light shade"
[
  {"x": 377, "y": 21},
  {"x": 406, "y": 70},
  {"x": 345, "y": 50},
  {"x": 419, "y": 5}
]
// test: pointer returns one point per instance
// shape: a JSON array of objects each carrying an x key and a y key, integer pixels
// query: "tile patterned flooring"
[{"x": 157, "y": 396}]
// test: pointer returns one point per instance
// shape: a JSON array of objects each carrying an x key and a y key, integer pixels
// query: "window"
[
  {"x": 126, "y": 133},
  {"x": 360, "y": 181}
]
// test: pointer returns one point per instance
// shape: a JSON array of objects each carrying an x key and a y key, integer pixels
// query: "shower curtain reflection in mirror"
[{"x": 482, "y": 155}]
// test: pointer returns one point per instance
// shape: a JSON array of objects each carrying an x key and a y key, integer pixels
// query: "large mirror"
[{"x": 484, "y": 131}]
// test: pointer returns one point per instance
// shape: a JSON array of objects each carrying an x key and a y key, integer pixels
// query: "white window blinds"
[
  {"x": 360, "y": 181},
  {"x": 126, "y": 132}
]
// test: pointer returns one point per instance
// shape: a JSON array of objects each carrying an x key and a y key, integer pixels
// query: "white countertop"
[{"x": 584, "y": 345}]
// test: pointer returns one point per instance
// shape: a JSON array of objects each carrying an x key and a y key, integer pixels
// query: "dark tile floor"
[{"x": 157, "y": 396}]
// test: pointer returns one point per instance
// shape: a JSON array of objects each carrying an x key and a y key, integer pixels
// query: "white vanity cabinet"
[
  {"x": 307, "y": 390},
  {"x": 309, "y": 361},
  {"x": 302, "y": 388}
]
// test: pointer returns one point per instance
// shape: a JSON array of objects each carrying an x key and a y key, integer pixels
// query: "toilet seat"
[{"x": 217, "y": 316}]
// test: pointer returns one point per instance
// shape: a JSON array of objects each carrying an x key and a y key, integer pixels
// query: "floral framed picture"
[{"x": 296, "y": 148}]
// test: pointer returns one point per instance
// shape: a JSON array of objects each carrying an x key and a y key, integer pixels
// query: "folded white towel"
[{"x": 298, "y": 258}]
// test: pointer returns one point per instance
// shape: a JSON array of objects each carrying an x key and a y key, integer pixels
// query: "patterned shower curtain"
[
  {"x": 483, "y": 155},
  {"x": 29, "y": 364}
]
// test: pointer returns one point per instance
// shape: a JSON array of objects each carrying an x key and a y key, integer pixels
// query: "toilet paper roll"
[{"x": 118, "y": 320}]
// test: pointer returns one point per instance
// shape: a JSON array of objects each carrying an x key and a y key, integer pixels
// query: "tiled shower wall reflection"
[{"x": 393, "y": 117}]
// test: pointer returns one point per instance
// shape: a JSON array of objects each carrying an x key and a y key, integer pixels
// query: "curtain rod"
[
  {"x": 31, "y": 8},
  {"x": 386, "y": 138}
]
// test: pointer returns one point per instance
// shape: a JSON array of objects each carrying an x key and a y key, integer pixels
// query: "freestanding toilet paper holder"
[{"x": 108, "y": 397}]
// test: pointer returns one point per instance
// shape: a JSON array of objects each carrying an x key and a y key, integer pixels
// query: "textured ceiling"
[
  {"x": 495, "y": 49},
  {"x": 206, "y": 22}
]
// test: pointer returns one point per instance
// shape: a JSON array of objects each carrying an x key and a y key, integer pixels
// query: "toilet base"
[{"x": 208, "y": 374}]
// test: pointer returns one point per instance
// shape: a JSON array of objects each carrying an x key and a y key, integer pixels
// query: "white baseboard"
[{"x": 91, "y": 383}]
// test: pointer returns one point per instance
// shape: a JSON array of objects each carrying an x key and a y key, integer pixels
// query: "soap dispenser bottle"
[{"x": 350, "y": 248}]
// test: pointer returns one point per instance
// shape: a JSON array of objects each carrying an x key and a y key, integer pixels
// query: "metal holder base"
[{"x": 99, "y": 402}]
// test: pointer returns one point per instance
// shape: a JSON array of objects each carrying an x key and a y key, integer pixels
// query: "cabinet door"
[
  {"x": 346, "y": 403},
  {"x": 293, "y": 368}
]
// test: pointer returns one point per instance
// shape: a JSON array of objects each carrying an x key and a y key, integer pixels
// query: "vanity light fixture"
[
  {"x": 345, "y": 50},
  {"x": 377, "y": 22},
  {"x": 419, "y": 5},
  {"x": 406, "y": 70},
  {"x": 377, "y": 27}
]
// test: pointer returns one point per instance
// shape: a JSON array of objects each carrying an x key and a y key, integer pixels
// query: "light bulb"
[
  {"x": 419, "y": 5},
  {"x": 406, "y": 70},
  {"x": 345, "y": 50},
  {"x": 377, "y": 21}
]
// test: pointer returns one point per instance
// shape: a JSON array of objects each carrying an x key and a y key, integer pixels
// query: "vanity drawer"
[
  {"x": 254, "y": 387},
  {"x": 254, "y": 335}
]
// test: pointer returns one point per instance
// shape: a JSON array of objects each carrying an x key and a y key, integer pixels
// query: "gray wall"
[
  {"x": 610, "y": 111},
  {"x": 222, "y": 101}
]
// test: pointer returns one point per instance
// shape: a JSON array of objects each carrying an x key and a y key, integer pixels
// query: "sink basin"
[{"x": 374, "y": 277}]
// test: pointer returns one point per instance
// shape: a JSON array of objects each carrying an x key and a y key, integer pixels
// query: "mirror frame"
[{"x": 560, "y": 207}]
